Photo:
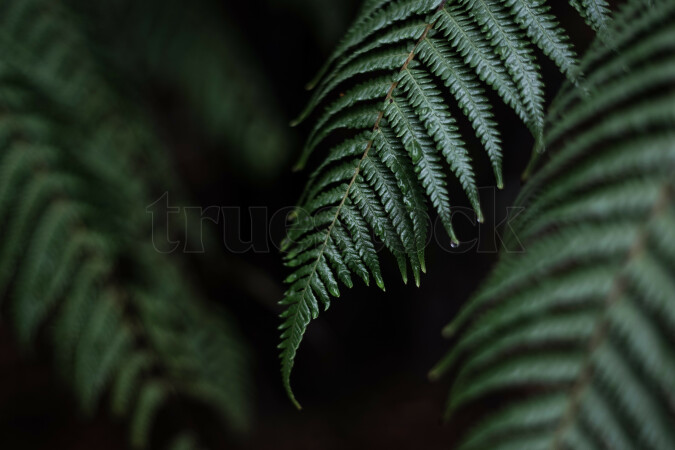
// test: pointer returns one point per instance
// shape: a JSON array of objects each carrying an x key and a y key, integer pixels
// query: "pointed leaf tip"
[
  {"x": 434, "y": 375},
  {"x": 311, "y": 84},
  {"x": 379, "y": 281},
  {"x": 297, "y": 405},
  {"x": 499, "y": 178},
  {"x": 416, "y": 275},
  {"x": 479, "y": 216},
  {"x": 289, "y": 392},
  {"x": 449, "y": 331}
]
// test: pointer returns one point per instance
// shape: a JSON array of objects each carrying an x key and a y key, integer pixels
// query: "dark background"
[{"x": 361, "y": 372}]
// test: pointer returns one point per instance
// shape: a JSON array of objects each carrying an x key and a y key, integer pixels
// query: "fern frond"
[
  {"x": 76, "y": 265},
  {"x": 581, "y": 325},
  {"x": 382, "y": 96}
]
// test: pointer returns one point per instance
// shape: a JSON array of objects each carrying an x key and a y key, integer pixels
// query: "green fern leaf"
[
  {"x": 382, "y": 97},
  {"x": 581, "y": 323},
  {"x": 76, "y": 265}
]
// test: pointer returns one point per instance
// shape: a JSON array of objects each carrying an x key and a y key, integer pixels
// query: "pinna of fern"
[
  {"x": 578, "y": 331},
  {"x": 383, "y": 94}
]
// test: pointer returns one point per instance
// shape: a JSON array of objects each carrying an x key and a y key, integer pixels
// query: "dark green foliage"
[
  {"x": 185, "y": 49},
  {"x": 76, "y": 262},
  {"x": 580, "y": 328},
  {"x": 384, "y": 95}
]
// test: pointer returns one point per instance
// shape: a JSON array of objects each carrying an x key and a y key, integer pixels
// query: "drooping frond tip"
[{"x": 383, "y": 97}]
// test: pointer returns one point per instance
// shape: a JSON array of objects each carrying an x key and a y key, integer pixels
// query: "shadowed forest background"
[{"x": 361, "y": 373}]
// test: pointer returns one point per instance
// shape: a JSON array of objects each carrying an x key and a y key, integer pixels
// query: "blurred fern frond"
[
  {"x": 390, "y": 135},
  {"x": 578, "y": 331},
  {"x": 195, "y": 53},
  {"x": 77, "y": 267}
]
